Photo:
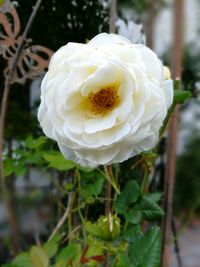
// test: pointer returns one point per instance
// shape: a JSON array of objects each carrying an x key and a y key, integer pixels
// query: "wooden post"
[
  {"x": 176, "y": 63},
  {"x": 113, "y": 16},
  {"x": 151, "y": 23}
]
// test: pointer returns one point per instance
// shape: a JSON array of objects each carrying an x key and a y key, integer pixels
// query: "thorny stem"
[
  {"x": 77, "y": 228},
  {"x": 144, "y": 181},
  {"x": 110, "y": 180},
  {"x": 108, "y": 188}
]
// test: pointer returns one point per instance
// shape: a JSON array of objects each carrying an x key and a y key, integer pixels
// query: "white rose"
[{"x": 104, "y": 101}]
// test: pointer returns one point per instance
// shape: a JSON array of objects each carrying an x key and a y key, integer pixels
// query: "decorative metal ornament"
[{"x": 33, "y": 60}]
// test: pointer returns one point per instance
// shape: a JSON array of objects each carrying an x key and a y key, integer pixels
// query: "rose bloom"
[{"x": 104, "y": 102}]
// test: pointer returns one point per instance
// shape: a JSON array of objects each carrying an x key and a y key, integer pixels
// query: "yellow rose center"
[{"x": 104, "y": 100}]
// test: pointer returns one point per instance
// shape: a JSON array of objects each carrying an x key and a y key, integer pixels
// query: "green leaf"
[
  {"x": 14, "y": 166},
  {"x": 2, "y": 2},
  {"x": 39, "y": 257},
  {"x": 57, "y": 161},
  {"x": 128, "y": 196},
  {"x": 145, "y": 209},
  {"x": 9, "y": 166},
  {"x": 145, "y": 252},
  {"x": 8, "y": 265},
  {"x": 122, "y": 260},
  {"x": 51, "y": 248},
  {"x": 61, "y": 263},
  {"x": 83, "y": 169},
  {"x": 20, "y": 169},
  {"x": 35, "y": 143},
  {"x": 132, "y": 233},
  {"x": 134, "y": 216},
  {"x": 93, "y": 186},
  {"x": 150, "y": 209},
  {"x": 154, "y": 196},
  {"x": 180, "y": 96},
  {"x": 23, "y": 260},
  {"x": 71, "y": 252},
  {"x": 95, "y": 249},
  {"x": 33, "y": 158},
  {"x": 92, "y": 228}
]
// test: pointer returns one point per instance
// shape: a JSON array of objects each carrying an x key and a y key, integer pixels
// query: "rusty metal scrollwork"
[{"x": 33, "y": 60}]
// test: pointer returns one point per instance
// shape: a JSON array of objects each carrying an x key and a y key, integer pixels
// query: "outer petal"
[
  {"x": 98, "y": 157},
  {"x": 44, "y": 121},
  {"x": 107, "y": 39},
  {"x": 167, "y": 86},
  {"x": 154, "y": 67}
]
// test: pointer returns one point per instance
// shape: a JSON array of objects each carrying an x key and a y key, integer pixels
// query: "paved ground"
[{"x": 189, "y": 242}]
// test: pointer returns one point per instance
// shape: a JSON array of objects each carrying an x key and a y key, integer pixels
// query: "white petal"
[
  {"x": 55, "y": 120},
  {"x": 67, "y": 153},
  {"x": 74, "y": 121},
  {"x": 63, "y": 54},
  {"x": 154, "y": 67},
  {"x": 126, "y": 53},
  {"x": 44, "y": 83},
  {"x": 126, "y": 151},
  {"x": 139, "y": 135},
  {"x": 148, "y": 143},
  {"x": 107, "y": 39},
  {"x": 99, "y": 157},
  {"x": 126, "y": 91},
  {"x": 106, "y": 75},
  {"x": 44, "y": 121},
  {"x": 156, "y": 104},
  {"x": 98, "y": 124},
  {"x": 92, "y": 140},
  {"x": 167, "y": 86},
  {"x": 115, "y": 134}
]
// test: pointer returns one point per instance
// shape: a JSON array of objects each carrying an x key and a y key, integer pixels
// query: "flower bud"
[{"x": 166, "y": 73}]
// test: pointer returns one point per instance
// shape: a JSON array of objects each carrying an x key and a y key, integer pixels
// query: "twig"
[
  {"x": 77, "y": 228},
  {"x": 110, "y": 181},
  {"x": 145, "y": 180},
  {"x": 64, "y": 217}
]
